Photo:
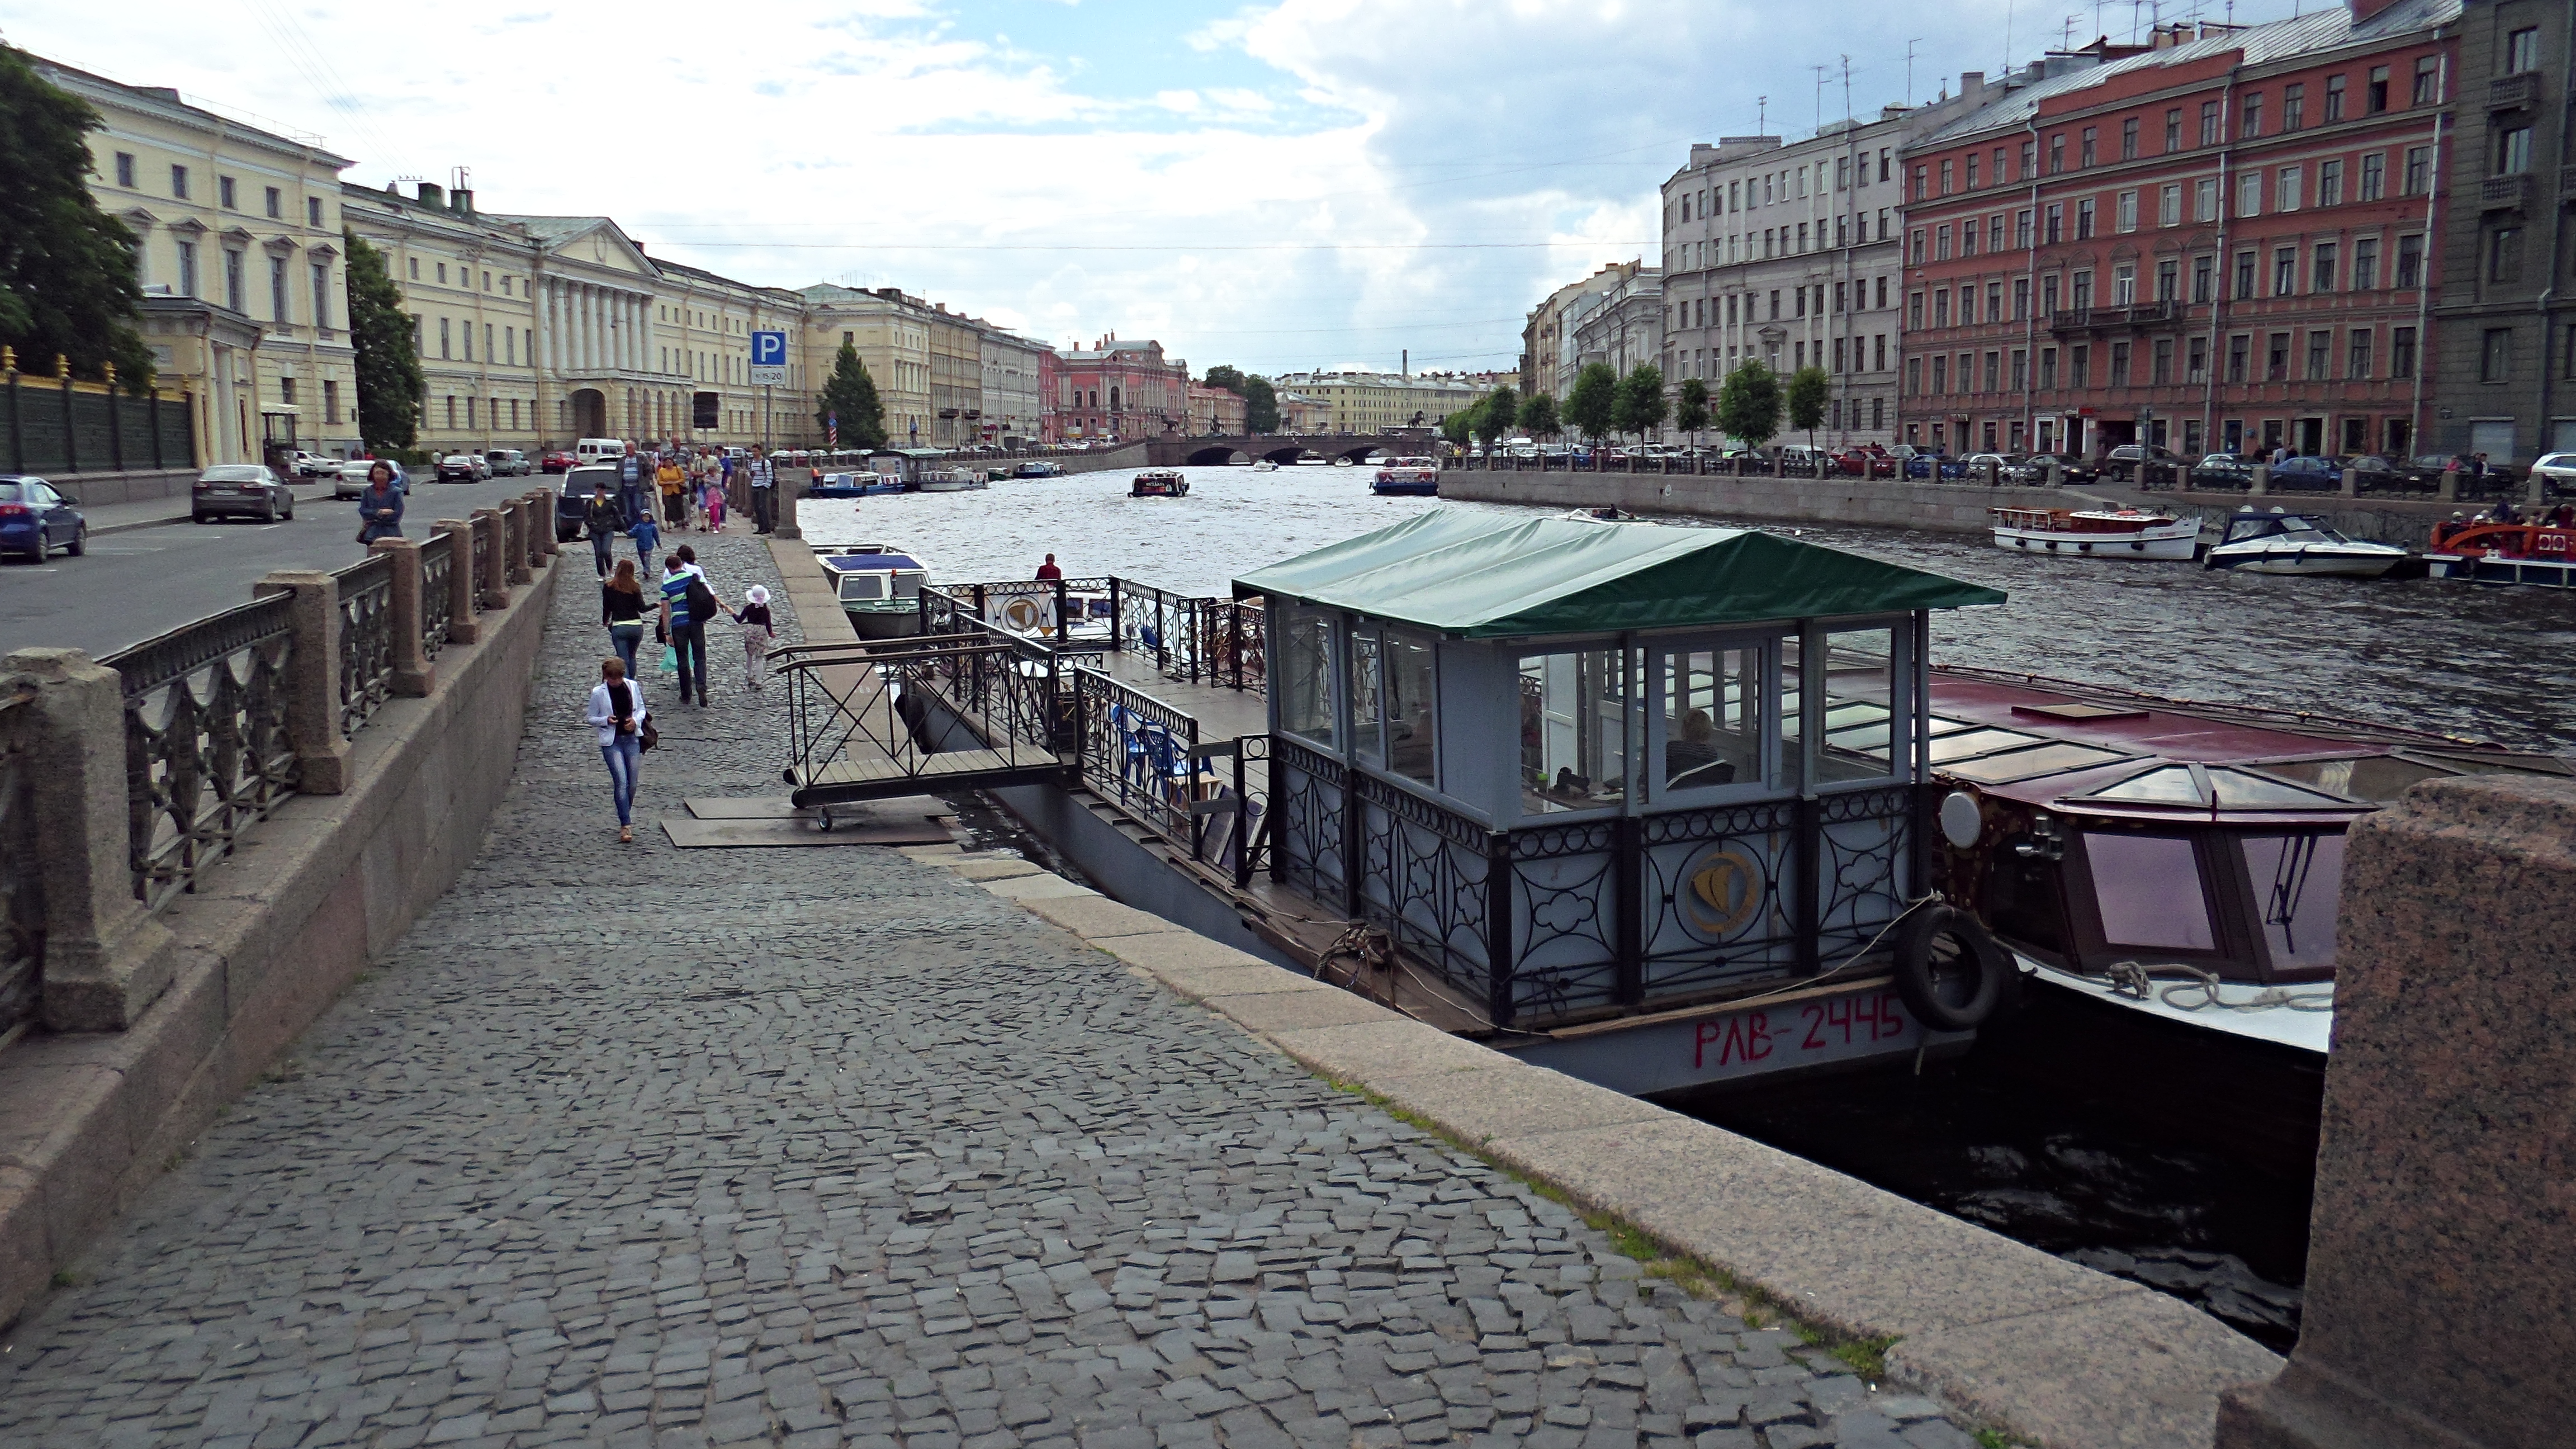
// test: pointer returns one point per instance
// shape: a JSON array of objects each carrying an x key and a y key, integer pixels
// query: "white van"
[{"x": 598, "y": 450}]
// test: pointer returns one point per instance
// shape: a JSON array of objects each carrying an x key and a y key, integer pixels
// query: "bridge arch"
[{"x": 1214, "y": 457}]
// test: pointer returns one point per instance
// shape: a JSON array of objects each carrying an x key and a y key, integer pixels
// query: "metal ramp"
[{"x": 872, "y": 720}]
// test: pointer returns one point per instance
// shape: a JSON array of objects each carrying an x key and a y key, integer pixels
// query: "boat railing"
[{"x": 1191, "y": 638}]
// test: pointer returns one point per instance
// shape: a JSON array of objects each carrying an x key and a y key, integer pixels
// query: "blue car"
[
  {"x": 35, "y": 519},
  {"x": 2307, "y": 472}
]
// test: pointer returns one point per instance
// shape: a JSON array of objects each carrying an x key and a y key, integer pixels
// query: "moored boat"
[
  {"x": 2518, "y": 551},
  {"x": 1159, "y": 483},
  {"x": 1039, "y": 468},
  {"x": 879, "y": 588},
  {"x": 2126, "y": 533},
  {"x": 2298, "y": 543},
  {"x": 852, "y": 485},
  {"x": 953, "y": 480},
  {"x": 1607, "y": 514},
  {"x": 1415, "y": 477}
]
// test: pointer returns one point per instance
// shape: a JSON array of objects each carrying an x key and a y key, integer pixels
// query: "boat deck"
[{"x": 1222, "y": 713}]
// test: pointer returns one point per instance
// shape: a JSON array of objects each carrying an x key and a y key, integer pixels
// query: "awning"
[{"x": 1487, "y": 576}]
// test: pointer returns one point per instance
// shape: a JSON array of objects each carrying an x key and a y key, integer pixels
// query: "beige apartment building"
[
  {"x": 237, "y": 240},
  {"x": 1547, "y": 339},
  {"x": 1376, "y": 402},
  {"x": 891, "y": 332}
]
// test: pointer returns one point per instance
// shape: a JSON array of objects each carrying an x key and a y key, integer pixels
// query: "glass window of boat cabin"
[
  {"x": 1574, "y": 723},
  {"x": 1394, "y": 708},
  {"x": 1304, "y": 676},
  {"x": 1853, "y": 682},
  {"x": 1714, "y": 735}
]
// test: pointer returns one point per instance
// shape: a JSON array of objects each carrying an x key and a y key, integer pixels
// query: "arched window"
[{"x": 1113, "y": 399}]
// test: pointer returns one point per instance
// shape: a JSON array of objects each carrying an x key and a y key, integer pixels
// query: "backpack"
[{"x": 702, "y": 600}]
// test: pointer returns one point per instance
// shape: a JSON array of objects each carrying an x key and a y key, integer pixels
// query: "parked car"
[
  {"x": 463, "y": 468},
  {"x": 2121, "y": 463},
  {"x": 350, "y": 478},
  {"x": 557, "y": 461},
  {"x": 2557, "y": 469},
  {"x": 507, "y": 463},
  {"x": 1930, "y": 465},
  {"x": 314, "y": 465},
  {"x": 240, "y": 490},
  {"x": 36, "y": 518},
  {"x": 2307, "y": 472},
  {"x": 572, "y": 501},
  {"x": 2222, "y": 471}
]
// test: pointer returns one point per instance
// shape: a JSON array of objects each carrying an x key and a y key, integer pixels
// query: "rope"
[{"x": 2138, "y": 983}]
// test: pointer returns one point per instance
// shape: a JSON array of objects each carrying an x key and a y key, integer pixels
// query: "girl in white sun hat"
[{"x": 757, "y": 634}]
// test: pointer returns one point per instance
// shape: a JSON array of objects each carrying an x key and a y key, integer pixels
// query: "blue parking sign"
[{"x": 769, "y": 359}]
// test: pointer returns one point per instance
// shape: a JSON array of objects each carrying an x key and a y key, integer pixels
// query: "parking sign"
[{"x": 769, "y": 359}]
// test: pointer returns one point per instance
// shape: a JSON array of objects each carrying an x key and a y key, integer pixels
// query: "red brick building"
[{"x": 2218, "y": 242}]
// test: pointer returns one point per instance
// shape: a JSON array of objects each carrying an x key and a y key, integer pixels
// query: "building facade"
[
  {"x": 2505, "y": 315},
  {"x": 1377, "y": 402},
  {"x": 890, "y": 331},
  {"x": 1215, "y": 412},
  {"x": 1127, "y": 391},
  {"x": 1624, "y": 328},
  {"x": 2218, "y": 242},
  {"x": 1012, "y": 380},
  {"x": 1547, "y": 338}
]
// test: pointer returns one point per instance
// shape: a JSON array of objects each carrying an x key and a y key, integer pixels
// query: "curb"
[{"x": 2046, "y": 1350}]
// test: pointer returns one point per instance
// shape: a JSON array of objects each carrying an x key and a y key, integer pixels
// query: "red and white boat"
[
  {"x": 2489, "y": 552},
  {"x": 2126, "y": 533}
]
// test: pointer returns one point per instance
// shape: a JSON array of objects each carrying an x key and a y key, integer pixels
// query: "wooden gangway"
[{"x": 877, "y": 719}]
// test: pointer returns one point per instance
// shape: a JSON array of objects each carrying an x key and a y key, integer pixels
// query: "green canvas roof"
[{"x": 1491, "y": 576}]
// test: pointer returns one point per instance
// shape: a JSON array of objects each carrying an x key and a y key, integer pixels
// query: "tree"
[
  {"x": 1260, "y": 405},
  {"x": 850, "y": 396},
  {"x": 390, "y": 385},
  {"x": 1640, "y": 405},
  {"x": 1538, "y": 416},
  {"x": 1224, "y": 376},
  {"x": 1808, "y": 389},
  {"x": 1460, "y": 425},
  {"x": 1692, "y": 415},
  {"x": 1748, "y": 403},
  {"x": 1498, "y": 410},
  {"x": 1594, "y": 400},
  {"x": 67, "y": 269}
]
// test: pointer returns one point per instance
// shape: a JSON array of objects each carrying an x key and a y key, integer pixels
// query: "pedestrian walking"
[
  {"x": 689, "y": 604},
  {"x": 618, "y": 714},
  {"x": 764, "y": 494},
  {"x": 634, "y": 472},
  {"x": 603, "y": 520},
  {"x": 712, "y": 498},
  {"x": 621, "y": 613},
  {"x": 668, "y": 479},
  {"x": 759, "y": 631},
  {"x": 380, "y": 508},
  {"x": 648, "y": 537}
]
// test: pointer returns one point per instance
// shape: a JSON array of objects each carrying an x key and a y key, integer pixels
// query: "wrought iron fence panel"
[
  {"x": 1162, "y": 625},
  {"x": 22, "y": 946},
  {"x": 1306, "y": 824},
  {"x": 1718, "y": 898},
  {"x": 1422, "y": 876},
  {"x": 206, "y": 748},
  {"x": 437, "y": 591},
  {"x": 1565, "y": 926},
  {"x": 1249, "y": 848},
  {"x": 480, "y": 544},
  {"x": 366, "y": 663},
  {"x": 1136, "y": 752},
  {"x": 1863, "y": 844},
  {"x": 1231, "y": 641}
]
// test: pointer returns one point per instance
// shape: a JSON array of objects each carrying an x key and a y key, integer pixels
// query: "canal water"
[{"x": 2056, "y": 1170}]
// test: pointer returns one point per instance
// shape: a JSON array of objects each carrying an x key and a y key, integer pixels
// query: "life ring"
[{"x": 1950, "y": 969}]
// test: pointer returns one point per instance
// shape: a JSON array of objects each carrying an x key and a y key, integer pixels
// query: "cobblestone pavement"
[{"x": 821, "y": 1147}]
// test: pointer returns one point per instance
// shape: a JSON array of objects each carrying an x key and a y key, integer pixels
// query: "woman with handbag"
[
  {"x": 621, "y": 612},
  {"x": 380, "y": 508},
  {"x": 625, "y": 729}
]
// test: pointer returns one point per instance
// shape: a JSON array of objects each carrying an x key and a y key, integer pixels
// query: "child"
[
  {"x": 757, "y": 633},
  {"x": 712, "y": 495}
]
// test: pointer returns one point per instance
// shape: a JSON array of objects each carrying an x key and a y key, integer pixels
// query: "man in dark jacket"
[{"x": 604, "y": 520}]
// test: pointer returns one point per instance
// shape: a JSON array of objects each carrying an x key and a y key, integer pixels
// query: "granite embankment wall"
[
  {"x": 1876, "y": 503},
  {"x": 267, "y": 940}
]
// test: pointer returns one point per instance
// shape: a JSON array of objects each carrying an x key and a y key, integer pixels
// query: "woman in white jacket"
[{"x": 617, "y": 711}]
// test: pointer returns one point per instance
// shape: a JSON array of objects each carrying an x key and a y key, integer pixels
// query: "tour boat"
[
  {"x": 852, "y": 485},
  {"x": 1264, "y": 465},
  {"x": 1417, "y": 477},
  {"x": 2298, "y": 543},
  {"x": 2126, "y": 533},
  {"x": 1039, "y": 468},
  {"x": 2488, "y": 552},
  {"x": 953, "y": 480},
  {"x": 878, "y": 588},
  {"x": 1160, "y": 483}
]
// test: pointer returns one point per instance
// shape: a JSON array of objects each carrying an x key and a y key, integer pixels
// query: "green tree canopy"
[
  {"x": 1224, "y": 376},
  {"x": 1496, "y": 415},
  {"x": 390, "y": 385},
  {"x": 67, "y": 269},
  {"x": 1593, "y": 403},
  {"x": 1460, "y": 425},
  {"x": 1692, "y": 413},
  {"x": 1809, "y": 387},
  {"x": 851, "y": 396},
  {"x": 1640, "y": 405},
  {"x": 1260, "y": 405},
  {"x": 1538, "y": 416},
  {"x": 1748, "y": 403}
]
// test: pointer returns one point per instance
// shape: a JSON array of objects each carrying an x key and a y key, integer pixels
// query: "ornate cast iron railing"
[
  {"x": 1141, "y": 755},
  {"x": 206, "y": 748},
  {"x": 366, "y": 663},
  {"x": 1215, "y": 641},
  {"x": 1424, "y": 876},
  {"x": 480, "y": 542},
  {"x": 22, "y": 943},
  {"x": 437, "y": 591}
]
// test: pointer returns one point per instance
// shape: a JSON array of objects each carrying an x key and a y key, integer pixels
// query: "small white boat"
[
  {"x": 1610, "y": 514},
  {"x": 2126, "y": 533},
  {"x": 2298, "y": 543},
  {"x": 1264, "y": 465},
  {"x": 878, "y": 588},
  {"x": 953, "y": 480}
]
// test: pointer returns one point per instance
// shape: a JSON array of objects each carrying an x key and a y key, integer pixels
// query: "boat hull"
[
  {"x": 1405, "y": 490},
  {"x": 884, "y": 623},
  {"x": 2308, "y": 562},
  {"x": 2177, "y": 542},
  {"x": 2544, "y": 573}
]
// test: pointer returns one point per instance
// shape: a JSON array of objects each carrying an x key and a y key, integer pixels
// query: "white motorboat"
[
  {"x": 1265, "y": 466},
  {"x": 2125, "y": 533},
  {"x": 2298, "y": 543},
  {"x": 879, "y": 588},
  {"x": 953, "y": 480}
]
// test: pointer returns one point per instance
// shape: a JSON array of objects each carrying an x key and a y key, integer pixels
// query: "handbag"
[{"x": 647, "y": 737}]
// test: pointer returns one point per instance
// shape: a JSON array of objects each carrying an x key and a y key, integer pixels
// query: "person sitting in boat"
[
  {"x": 1693, "y": 759},
  {"x": 1048, "y": 570},
  {"x": 2563, "y": 516},
  {"x": 2505, "y": 512}
]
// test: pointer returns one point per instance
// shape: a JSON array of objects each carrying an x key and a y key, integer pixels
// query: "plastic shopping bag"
[{"x": 670, "y": 659}]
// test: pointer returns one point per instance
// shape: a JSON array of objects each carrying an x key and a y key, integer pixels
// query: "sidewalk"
[{"x": 831, "y": 1146}]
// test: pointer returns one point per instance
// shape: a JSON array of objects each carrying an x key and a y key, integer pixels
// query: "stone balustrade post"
[
  {"x": 2538, "y": 495},
  {"x": 491, "y": 537},
  {"x": 313, "y": 679},
  {"x": 547, "y": 544},
  {"x": 1994, "y": 473},
  {"x": 105, "y": 958},
  {"x": 2262, "y": 483},
  {"x": 2449, "y": 489},
  {"x": 789, "y": 486},
  {"x": 514, "y": 541},
  {"x": 413, "y": 673},
  {"x": 2056, "y": 477},
  {"x": 461, "y": 627},
  {"x": 2351, "y": 483}
]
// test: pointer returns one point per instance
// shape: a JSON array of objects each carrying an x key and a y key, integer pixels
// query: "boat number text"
[{"x": 1841, "y": 1021}]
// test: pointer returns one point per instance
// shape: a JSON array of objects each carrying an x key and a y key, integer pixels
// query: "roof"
[{"x": 1491, "y": 576}]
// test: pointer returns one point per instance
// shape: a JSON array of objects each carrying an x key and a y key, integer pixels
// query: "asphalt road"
[{"x": 140, "y": 582}]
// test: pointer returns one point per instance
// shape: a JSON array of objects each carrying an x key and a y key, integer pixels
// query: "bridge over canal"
[{"x": 1217, "y": 452}]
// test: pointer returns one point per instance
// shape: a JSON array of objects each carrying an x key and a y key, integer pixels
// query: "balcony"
[
  {"x": 2505, "y": 193},
  {"x": 2107, "y": 319},
  {"x": 2512, "y": 92}
]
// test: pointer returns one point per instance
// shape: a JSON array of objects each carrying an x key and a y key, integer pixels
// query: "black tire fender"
[{"x": 1950, "y": 969}]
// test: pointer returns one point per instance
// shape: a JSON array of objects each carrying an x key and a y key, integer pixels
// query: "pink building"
[
  {"x": 1215, "y": 412},
  {"x": 1124, "y": 390}
]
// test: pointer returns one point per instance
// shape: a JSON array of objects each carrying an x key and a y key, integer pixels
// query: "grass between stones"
[{"x": 1865, "y": 1356}]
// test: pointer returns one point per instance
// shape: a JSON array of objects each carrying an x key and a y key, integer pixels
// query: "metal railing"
[
  {"x": 366, "y": 663},
  {"x": 1190, "y": 638},
  {"x": 437, "y": 591},
  {"x": 206, "y": 741},
  {"x": 1141, "y": 755},
  {"x": 481, "y": 543},
  {"x": 891, "y": 709}
]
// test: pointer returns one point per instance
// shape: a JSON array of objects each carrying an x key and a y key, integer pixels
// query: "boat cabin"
[{"x": 1583, "y": 772}]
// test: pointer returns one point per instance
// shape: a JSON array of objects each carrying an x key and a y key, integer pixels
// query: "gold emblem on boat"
[{"x": 1725, "y": 892}]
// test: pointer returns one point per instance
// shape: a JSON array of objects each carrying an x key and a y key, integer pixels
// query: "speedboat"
[
  {"x": 2298, "y": 543},
  {"x": 852, "y": 485},
  {"x": 2126, "y": 533},
  {"x": 953, "y": 480},
  {"x": 878, "y": 588},
  {"x": 1418, "y": 477},
  {"x": 1160, "y": 483},
  {"x": 1606, "y": 514},
  {"x": 1264, "y": 465},
  {"x": 2489, "y": 551}
]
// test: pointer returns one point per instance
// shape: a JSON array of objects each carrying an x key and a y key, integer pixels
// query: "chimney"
[
  {"x": 1971, "y": 82},
  {"x": 431, "y": 194},
  {"x": 461, "y": 201}
]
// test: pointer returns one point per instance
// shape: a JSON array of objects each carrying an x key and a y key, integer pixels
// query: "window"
[
  {"x": 1972, "y": 170},
  {"x": 1940, "y": 373},
  {"x": 2088, "y": 157},
  {"x": 233, "y": 281},
  {"x": 1941, "y": 308},
  {"x": 2079, "y": 366},
  {"x": 2129, "y": 139},
  {"x": 2294, "y": 107},
  {"x": 2048, "y": 294},
  {"x": 2196, "y": 360},
  {"x": 321, "y": 294},
  {"x": 1914, "y": 376},
  {"x": 2365, "y": 264},
  {"x": 2080, "y": 295},
  {"x": 2021, "y": 229},
  {"x": 2204, "y": 272},
  {"x": 2169, "y": 280},
  {"x": 2320, "y": 348},
  {"x": 2020, "y": 369},
  {"x": 1306, "y": 683},
  {"x": 2057, "y": 153},
  {"x": 2330, "y": 183},
  {"x": 125, "y": 169},
  {"x": 2495, "y": 355},
  {"x": 2048, "y": 367},
  {"x": 1922, "y": 182},
  {"x": 2124, "y": 284},
  {"x": 2334, "y": 99},
  {"x": 415, "y": 273},
  {"x": 224, "y": 196},
  {"x": 2084, "y": 219},
  {"x": 179, "y": 182},
  {"x": 2276, "y": 358},
  {"x": 2119, "y": 364},
  {"x": 2376, "y": 93},
  {"x": 2244, "y": 275},
  {"x": 2237, "y": 346},
  {"x": 2522, "y": 51},
  {"x": 286, "y": 390},
  {"x": 2249, "y": 193},
  {"x": 1968, "y": 239},
  {"x": 330, "y": 401},
  {"x": 445, "y": 336},
  {"x": 187, "y": 269},
  {"x": 2401, "y": 352},
  {"x": 2374, "y": 176},
  {"x": 2169, "y": 205},
  {"x": 1712, "y": 719},
  {"x": 1408, "y": 706},
  {"x": 2029, "y": 160},
  {"x": 2285, "y": 271},
  {"x": 2504, "y": 254},
  {"x": 2209, "y": 123},
  {"x": 277, "y": 309},
  {"x": 2021, "y": 298},
  {"x": 2056, "y": 222},
  {"x": 2410, "y": 261},
  {"x": 2173, "y": 130},
  {"x": 1574, "y": 730},
  {"x": 2204, "y": 199},
  {"x": 2161, "y": 369},
  {"x": 2286, "y": 188},
  {"x": 1995, "y": 232},
  {"x": 277, "y": 203},
  {"x": 2356, "y": 357},
  {"x": 2148, "y": 891},
  {"x": 2128, "y": 211},
  {"x": 2251, "y": 117},
  {"x": 442, "y": 274},
  {"x": 2428, "y": 80},
  {"x": 2321, "y": 270},
  {"x": 2513, "y": 151},
  {"x": 313, "y": 211}
]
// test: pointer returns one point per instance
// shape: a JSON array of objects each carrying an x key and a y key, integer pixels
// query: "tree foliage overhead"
[
  {"x": 1809, "y": 388},
  {"x": 850, "y": 396},
  {"x": 1260, "y": 405},
  {"x": 1641, "y": 405},
  {"x": 390, "y": 384},
  {"x": 1538, "y": 416},
  {"x": 1748, "y": 403},
  {"x": 1593, "y": 403},
  {"x": 1691, "y": 414},
  {"x": 1225, "y": 376},
  {"x": 67, "y": 269},
  {"x": 1499, "y": 410}
]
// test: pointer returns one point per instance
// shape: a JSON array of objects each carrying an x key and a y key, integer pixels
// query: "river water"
[{"x": 2054, "y": 1170}]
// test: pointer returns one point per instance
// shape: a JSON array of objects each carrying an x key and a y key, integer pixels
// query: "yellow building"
[
  {"x": 1378, "y": 402},
  {"x": 891, "y": 333},
  {"x": 470, "y": 285}
]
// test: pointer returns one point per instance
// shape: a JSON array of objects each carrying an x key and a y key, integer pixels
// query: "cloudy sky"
[{"x": 1299, "y": 184}]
